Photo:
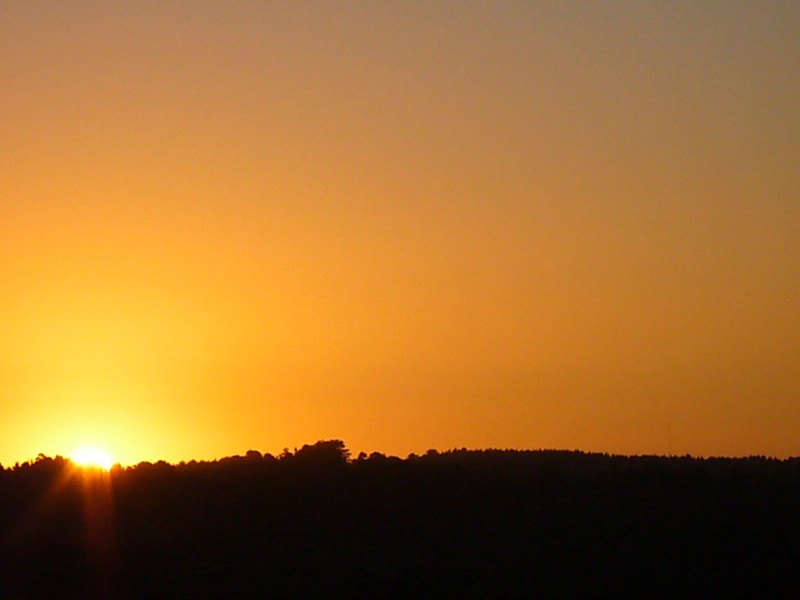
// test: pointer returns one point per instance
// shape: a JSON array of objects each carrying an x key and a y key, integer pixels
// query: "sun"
[{"x": 92, "y": 458}]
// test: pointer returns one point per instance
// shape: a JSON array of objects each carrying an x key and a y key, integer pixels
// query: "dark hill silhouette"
[{"x": 458, "y": 524}]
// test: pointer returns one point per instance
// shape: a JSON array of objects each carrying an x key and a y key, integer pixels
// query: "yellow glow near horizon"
[{"x": 92, "y": 458}]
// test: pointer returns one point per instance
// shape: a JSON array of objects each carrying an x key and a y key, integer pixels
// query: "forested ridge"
[{"x": 463, "y": 523}]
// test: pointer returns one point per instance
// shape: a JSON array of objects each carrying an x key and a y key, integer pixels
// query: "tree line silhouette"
[{"x": 460, "y": 524}]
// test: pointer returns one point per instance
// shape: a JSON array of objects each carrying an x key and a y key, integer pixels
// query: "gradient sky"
[{"x": 232, "y": 224}]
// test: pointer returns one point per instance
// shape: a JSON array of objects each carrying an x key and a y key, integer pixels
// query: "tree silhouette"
[{"x": 458, "y": 523}]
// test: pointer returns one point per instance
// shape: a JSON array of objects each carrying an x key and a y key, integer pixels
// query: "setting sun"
[{"x": 93, "y": 458}]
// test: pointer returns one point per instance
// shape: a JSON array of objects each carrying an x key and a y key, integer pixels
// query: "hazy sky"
[{"x": 230, "y": 224}]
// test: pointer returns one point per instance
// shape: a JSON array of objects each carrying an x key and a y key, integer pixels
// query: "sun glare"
[{"x": 92, "y": 458}]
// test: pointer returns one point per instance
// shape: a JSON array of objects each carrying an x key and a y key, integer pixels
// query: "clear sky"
[{"x": 232, "y": 224}]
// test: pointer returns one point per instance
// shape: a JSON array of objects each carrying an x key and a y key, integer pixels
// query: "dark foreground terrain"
[{"x": 459, "y": 524}]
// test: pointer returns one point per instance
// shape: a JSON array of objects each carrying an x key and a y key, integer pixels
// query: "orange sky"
[{"x": 228, "y": 225}]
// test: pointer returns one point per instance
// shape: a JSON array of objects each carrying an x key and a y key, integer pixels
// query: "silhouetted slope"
[{"x": 454, "y": 524}]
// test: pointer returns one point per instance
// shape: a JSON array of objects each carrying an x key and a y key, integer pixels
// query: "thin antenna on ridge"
[{"x": 669, "y": 438}]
